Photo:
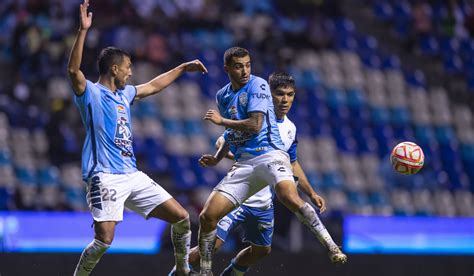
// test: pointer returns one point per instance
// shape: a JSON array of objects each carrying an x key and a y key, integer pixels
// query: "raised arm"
[
  {"x": 76, "y": 76},
  {"x": 305, "y": 186},
  {"x": 164, "y": 80},
  {"x": 253, "y": 124}
]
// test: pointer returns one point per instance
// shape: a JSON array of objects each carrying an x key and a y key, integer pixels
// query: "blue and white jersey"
[
  {"x": 255, "y": 96},
  {"x": 287, "y": 128},
  {"x": 106, "y": 117}
]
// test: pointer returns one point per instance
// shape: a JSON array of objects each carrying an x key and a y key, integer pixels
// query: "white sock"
[
  {"x": 181, "y": 237},
  {"x": 308, "y": 216},
  {"x": 90, "y": 257},
  {"x": 207, "y": 241}
]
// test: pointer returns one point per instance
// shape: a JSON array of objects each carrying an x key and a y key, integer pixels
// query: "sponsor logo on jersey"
[
  {"x": 260, "y": 96},
  {"x": 233, "y": 112},
  {"x": 121, "y": 109},
  {"x": 123, "y": 137},
  {"x": 275, "y": 163},
  {"x": 237, "y": 137}
]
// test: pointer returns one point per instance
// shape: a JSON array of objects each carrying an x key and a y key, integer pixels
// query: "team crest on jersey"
[
  {"x": 121, "y": 109},
  {"x": 291, "y": 136},
  {"x": 243, "y": 99},
  {"x": 123, "y": 136}
]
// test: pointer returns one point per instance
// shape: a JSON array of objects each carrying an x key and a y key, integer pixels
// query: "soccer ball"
[{"x": 407, "y": 158}]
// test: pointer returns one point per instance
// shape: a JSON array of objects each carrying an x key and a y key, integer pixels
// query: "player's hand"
[
  {"x": 213, "y": 116},
  {"x": 319, "y": 201},
  {"x": 195, "y": 66},
  {"x": 208, "y": 160},
  {"x": 86, "y": 18}
]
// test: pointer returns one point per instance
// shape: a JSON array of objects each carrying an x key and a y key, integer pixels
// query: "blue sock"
[{"x": 240, "y": 268}]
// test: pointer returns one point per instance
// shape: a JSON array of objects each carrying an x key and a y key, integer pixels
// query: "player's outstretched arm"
[
  {"x": 76, "y": 76},
  {"x": 220, "y": 142},
  {"x": 253, "y": 124},
  {"x": 162, "y": 81},
  {"x": 208, "y": 160},
  {"x": 305, "y": 186}
]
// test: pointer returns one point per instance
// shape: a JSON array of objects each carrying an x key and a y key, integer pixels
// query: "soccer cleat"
[
  {"x": 337, "y": 257},
  {"x": 173, "y": 271},
  {"x": 205, "y": 273},
  {"x": 227, "y": 271}
]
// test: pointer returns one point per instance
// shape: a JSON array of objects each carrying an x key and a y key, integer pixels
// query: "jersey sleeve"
[
  {"x": 259, "y": 97},
  {"x": 84, "y": 99},
  {"x": 129, "y": 93},
  {"x": 219, "y": 105},
  {"x": 292, "y": 150}
]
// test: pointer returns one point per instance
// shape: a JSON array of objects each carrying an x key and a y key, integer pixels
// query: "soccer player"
[
  {"x": 256, "y": 213},
  {"x": 108, "y": 161},
  {"x": 252, "y": 135}
]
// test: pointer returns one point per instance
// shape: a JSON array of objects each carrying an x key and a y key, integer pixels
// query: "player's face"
[
  {"x": 282, "y": 100},
  {"x": 239, "y": 70},
  {"x": 122, "y": 72}
]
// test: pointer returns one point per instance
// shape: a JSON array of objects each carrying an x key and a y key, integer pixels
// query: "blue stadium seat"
[
  {"x": 449, "y": 46},
  {"x": 416, "y": 78},
  {"x": 48, "y": 176},
  {"x": 390, "y": 62},
  {"x": 453, "y": 65},
  {"x": 383, "y": 11},
  {"x": 332, "y": 180},
  {"x": 429, "y": 45}
]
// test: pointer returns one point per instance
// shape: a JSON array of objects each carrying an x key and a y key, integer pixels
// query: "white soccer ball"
[{"x": 407, "y": 158}]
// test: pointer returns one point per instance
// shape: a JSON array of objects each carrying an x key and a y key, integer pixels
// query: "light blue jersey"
[
  {"x": 106, "y": 117},
  {"x": 255, "y": 96}
]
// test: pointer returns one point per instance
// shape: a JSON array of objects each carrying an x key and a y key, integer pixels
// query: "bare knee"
[
  {"x": 181, "y": 214},
  {"x": 261, "y": 251},
  {"x": 291, "y": 201},
  {"x": 104, "y": 231},
  {"x": 207, "y": 220},
  {"x": 105, "y": 237}
]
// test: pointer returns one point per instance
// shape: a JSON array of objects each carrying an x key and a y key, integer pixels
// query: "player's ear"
[
  {"x": 114, "y": 69},
  {"x": 226, "y": 69}
]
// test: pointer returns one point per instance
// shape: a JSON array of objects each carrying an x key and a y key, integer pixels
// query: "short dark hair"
[
  {"x": 234, "y": 52},
  {"x": 108, "y": 57},
  {"x": 281, "y": 79}
]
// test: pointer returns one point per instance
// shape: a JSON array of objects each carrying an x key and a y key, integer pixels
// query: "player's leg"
[
  {"x": 104, "y": 235},
  {"x": 105, "y": 197},
  {"x": 246, "y": 258},
  {"x": 258, "y": 227},
  {"x": 277, "y": 171},
  {"x": 234, "y": 189},
  {"x": 150, "y": 200},
  {"x": 194, "y": 257},
  {"x": 216, "y": 207},
  {"x": 287, "y": 193},
  {"x": 171, "y": 211}
]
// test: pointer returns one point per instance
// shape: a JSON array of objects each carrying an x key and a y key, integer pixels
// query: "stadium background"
[{"x": 369, "y": 75}]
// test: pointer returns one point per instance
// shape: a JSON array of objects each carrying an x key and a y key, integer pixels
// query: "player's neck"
[
  {"x": 108, "y": 82},
  {"x": 236, "y": 86}
]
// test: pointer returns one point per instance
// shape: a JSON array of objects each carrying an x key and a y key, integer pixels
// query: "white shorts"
[
  {"x": 246, "y": 178},
  {"x": 107, "y": 194}
]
